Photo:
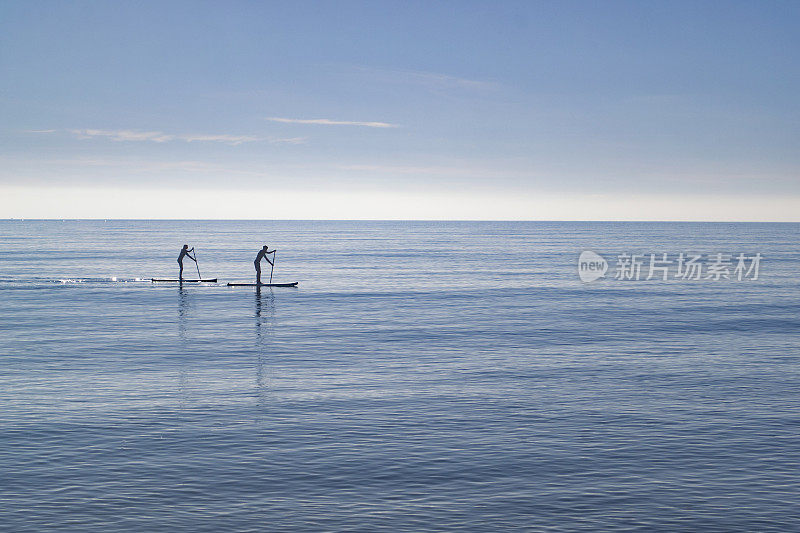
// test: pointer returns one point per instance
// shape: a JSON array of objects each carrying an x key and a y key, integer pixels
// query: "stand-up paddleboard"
[
  {"x": 210, "y": 280},
  {"x": 263, "y": 284}
]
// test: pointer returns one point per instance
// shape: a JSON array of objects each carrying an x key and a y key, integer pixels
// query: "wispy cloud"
[
  {"x": 329, "y": 122},
  {"x": 123, "y": 135},
  {"x": 288, "y": 140},
  {"x": 229, "y": 139},
  {"x": 161, "y": 137}
]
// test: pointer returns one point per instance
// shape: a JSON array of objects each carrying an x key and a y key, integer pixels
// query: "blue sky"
[{"x": 464, "y": 110}]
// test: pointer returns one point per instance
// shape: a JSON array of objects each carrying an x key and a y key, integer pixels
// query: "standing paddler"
[
  {"x": 262, "y": 254},
  {"x": 184, "y": 253}
]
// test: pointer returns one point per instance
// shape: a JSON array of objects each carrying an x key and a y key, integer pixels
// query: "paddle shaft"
[
  {"x": 197, "y": 266},
  {"x": 271, "y": 268}
]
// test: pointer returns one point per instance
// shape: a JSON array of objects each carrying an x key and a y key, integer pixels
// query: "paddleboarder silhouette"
[
  {"x": 184, "y": 253},
  {"x": 262, "y": 254}
]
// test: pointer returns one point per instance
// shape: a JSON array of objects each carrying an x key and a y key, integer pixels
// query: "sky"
[{"x": 602, "y": 110}]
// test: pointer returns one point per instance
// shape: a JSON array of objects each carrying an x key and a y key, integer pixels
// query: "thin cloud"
[
  {"x": 161, "y": 137},
  {"x": 329, "y": 122},
  {"x": 289, "y": 140},
  {"x": 229, "y": 139},
  {"x": 40, "y": 131},
  {"x": 123, "y": 135}
]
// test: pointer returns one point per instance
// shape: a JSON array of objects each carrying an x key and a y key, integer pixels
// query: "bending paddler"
[
  {"x": 262, "y": 254},
  {"x": 184, "y": 253}
]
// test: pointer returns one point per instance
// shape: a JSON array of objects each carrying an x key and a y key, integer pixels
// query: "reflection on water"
[
  {"x": 265, "y": 320},
  {"x": 184, "y": 303}
]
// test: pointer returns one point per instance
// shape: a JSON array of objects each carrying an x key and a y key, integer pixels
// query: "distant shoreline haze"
[{"x": 190, "y": 204}]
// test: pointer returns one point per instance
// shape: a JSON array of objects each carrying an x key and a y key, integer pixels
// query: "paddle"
[
  {"x": 272, "y": 267},
  {"x": 197, "y": 266}
]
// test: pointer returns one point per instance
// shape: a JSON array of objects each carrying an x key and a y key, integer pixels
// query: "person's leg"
[
  {"x": 258, "y": 273},
  {"x": 180, "y": 272}
]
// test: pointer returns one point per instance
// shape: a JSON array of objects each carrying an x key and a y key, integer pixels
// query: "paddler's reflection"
[
  {"x": 265, "y": 311},
  {"x": 264, "y": 315},
  {"x": 183, "y": 304},
  {"x": 184, "y": 346}
]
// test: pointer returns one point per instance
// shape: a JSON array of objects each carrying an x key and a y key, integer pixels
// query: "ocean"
[{"x": 423, "y": 376}]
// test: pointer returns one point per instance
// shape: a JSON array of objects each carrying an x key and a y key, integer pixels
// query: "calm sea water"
[{"x": 423, "y": 376}]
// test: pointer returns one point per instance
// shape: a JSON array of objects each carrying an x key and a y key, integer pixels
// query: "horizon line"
[{"x": 652, "y": 221}]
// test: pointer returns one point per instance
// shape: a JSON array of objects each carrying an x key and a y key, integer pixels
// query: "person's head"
[
  {"x": 265, "y": 248},
  {"x": 185, "y": 246}
]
